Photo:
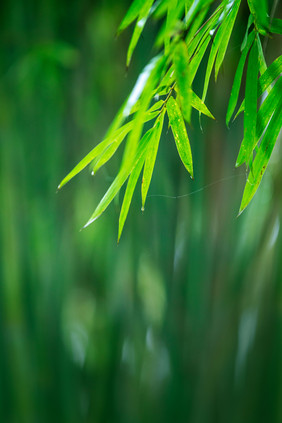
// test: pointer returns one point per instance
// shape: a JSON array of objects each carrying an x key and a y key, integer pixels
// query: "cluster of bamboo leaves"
[{"x": 190, "y": 29}]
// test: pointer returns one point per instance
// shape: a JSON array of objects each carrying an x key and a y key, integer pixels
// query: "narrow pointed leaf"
[
  {"x": 118, "y": 182},
  {"x": 142, "y": 19},
  {"x": 267, "y": 108},
  {"x": 154, "y": 75},
  {"x": 258, "y": 9},
  {"x": 262, "y": 157},
  {"x": 198, "y": 56},
  {"x": 199, "y": 105},
  {"x": 119, "y": 134},
  {"x": 151, "y": 156},
  {"x": 131, "y": 15},
  {"x": 250, "y": 116},
  {"x": 238, "y": 78},
  {"x": 183, "y": 78},
  {"x": 262, "y": 62},
  {"x": 226, "y": 33},
  {"x": 216, "y": 41},
  {"x": 131, "y": 184},
  {"x": 180, "y": 134},
  {"x": 269, "y": 76},
  {"x": 250, "y": 21}
]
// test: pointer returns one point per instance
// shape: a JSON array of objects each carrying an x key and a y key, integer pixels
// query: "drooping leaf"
[
  {"x": 198, "y": 56},
  {"x": 269, "y": 76},
  {"x": 118, "y": 136},
  {"x": 142, "y": 19},
  {"x": 131, "y": 184},
  {"x": 237, "y": 79},
  {"x": 250, "y": 21},
  {"x": 198, "y": 104},
  {"x": 118, "y": 182},
  {"x": 154, "y": 75},
  {"x": 262, "y": 158},
  {"x": 132, "y": 13},
  {"x": 183, "y": 78},
  {"x": 250, "y": 116},
  {"x": 180, "y": 134},
  {"x": 196, "y": 7},
  {"x": 151, "y": 155},
  {"x": 226, "y": 34},
  {"x": 258, "y": 9},
  {"x": 262, "y": 62},
  {"x": 267, "y": 108}
]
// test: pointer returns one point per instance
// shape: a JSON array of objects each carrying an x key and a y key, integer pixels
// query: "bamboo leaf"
[
  {"x": 118, "y": 135},
  {"x": 238, "y": 78},
  {"x": 132, "y": 13},
  {"x": 197, "y": 56},
  {"x": 226, "y": 33},
  {"x": 118, "y": 182},
  {"x": 131, "y": 184},
  {"x": 258, "y": 9},
  {"x": 267, "y": 108},
  {"x": 199, "y": 105},
  {"x": 216, "y": 41},
  {"x": 262, "y": 157},
  {"x": 154, "y": 75},
  {"x": 180, "y": 134},
  {"x": 262, "y": 62},
  {"x": 151, "y": 156},
  {"x": 250, "y": 116},
  {"x": 269, "y": 76},
  {"x": 142, "y": 19},
  {"x": 250, "y": 21},
  {"x": 183, "y": 78}
]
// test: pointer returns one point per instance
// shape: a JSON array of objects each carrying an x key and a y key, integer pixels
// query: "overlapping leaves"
[{"x": 164, "y": 93}]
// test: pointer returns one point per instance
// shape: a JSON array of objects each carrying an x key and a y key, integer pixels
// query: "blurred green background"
[{"x": 182, "y": 321}]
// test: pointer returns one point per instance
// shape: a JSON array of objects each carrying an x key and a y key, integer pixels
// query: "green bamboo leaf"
[
  {"x": 183, "y": 78},
  {"x": 180, "y": 134},
  {"x": 250, "y": 22},
  {"x": 267, "y": 108},
  {"x": 262, "y": 157},
  {"x": 250, "y": 116},
  {"x": 238, "y": 78},
  {"x": 198, "y": 55},
  {"x": 226, "y": 33},
  {"x": 119, "y": 134},
  {"x": 194, "y": 36},
  {"x": 131, "y": 184},
  {"x": 132, "y": 13},
  {"x": 196, "y": 7},
  {"x": 118, "y": 182},
  {"x": 154, "y": 75},
  {"x": 262, "y": 62},
  {"x": 216, "y": 41},
  {"x": 107, "y": 154},
  {"x": 258, "y": 9},
  {"x": 142, "y": 19},
  {"x": 151, "y": 156},
  {"x": 269, "y": 76},
  {"x": 199, "y": 105}
]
